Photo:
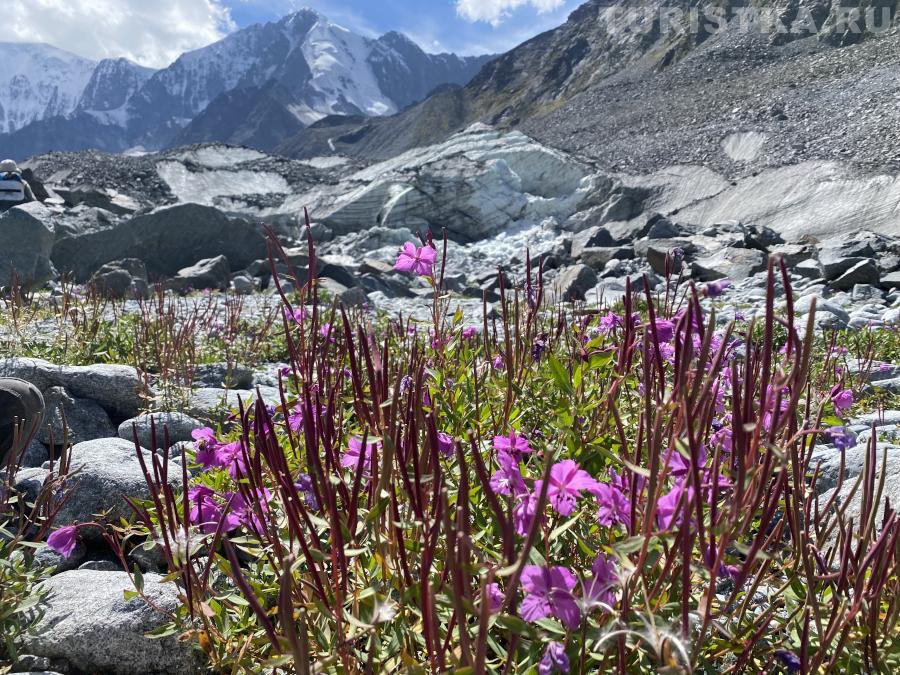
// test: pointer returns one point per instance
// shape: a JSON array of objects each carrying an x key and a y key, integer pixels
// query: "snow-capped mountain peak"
[
  {"x": 256, "y": 85},
  {"x": 341, "y": 73},
  {"x": 39, "y": 81}
]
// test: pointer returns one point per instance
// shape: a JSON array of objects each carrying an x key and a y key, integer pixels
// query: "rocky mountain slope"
[
  {"x": 639, "y": 95},
  {"x": 283, "y": 76}
]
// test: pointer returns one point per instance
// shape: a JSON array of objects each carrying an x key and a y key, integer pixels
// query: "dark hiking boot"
[{"x": 22, "y": 411}]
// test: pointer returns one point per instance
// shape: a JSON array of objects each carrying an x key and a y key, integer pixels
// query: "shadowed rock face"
[
  {"x": 26, "y": 239},
  {"x": 167, "y": 240}
]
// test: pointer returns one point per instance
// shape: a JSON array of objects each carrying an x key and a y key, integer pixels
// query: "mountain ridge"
[{"x": 303, "y": 67}]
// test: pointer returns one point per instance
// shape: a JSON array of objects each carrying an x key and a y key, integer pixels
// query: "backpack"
[{"x": 12, "y": 188}]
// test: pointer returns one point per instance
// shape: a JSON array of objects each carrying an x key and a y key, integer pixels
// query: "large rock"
[
  {"x": 598, "y": 257},
  {"x": 122, "y": 279},
  {"x": 592, "y": 237},
  {"x": 167, "y": 240},
  {"x": 178, "y": 425},
  {"x": 828, "y": 461},
  {"x": 213, "y": 404},
  {"x": 119, "y": 389},
  {"x": 838, "y": 254},
  {"x": 75, "y": 420},
  {"x": 730, "y": 263},
  {"x": 208, "y": 273},
  {"x": 890, "y": 280},
  {"x": 103, "y": 473},
  {"x": 234, "y": 376},
  {"x": 852, "y": 501},
  {"x": 574, "y": 282},
  {"x": 353, "y": 296},
  {"x": 863, "y": 272},
  {"x": 26, "y": 241},
  {"x": 86, "y": 620},
  {"x": 656, "y": 251}
]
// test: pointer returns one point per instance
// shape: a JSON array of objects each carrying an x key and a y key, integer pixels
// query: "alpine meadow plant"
[
  {"x": 641, "y": 497},
  {"x": 26, "y": 519}
]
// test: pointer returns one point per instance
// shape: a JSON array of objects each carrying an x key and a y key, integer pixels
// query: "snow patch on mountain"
[
  {"x": 38, "y": 81},
  {"x": 341, "y": 73},
  {"x": 204, "y": 187}
]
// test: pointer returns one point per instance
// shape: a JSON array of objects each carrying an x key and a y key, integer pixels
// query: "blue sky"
[{"x": 462, "y": 26}]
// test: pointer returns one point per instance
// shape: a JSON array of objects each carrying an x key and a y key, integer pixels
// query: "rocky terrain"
[
  {"x": 638, "y": 95},
  {"x": 495, "y": 194},
  {"x": 613, "y": 160}
]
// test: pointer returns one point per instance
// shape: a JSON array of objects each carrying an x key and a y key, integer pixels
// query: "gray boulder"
[
  {"x": 863, "y": 272},
  {"x": 167, "y": 240},
  {"x": 339, "y": 273},
  {"x": 628, "y": 231},
  {"x": 828, "y": 461},
  {"x": 657, "y": 250},
  {"x": 890, "y": 280},
  {"x": 851, "y": 500},
  {"x": 731, "y": 263},
  {"x": 234, "y": 376},
  {"x": 663, "y": 228},
  {"x": 119, "y": 389},
  {"x": 102, "y": 474},
  {"x": 355, "y": 297},
  {"x": 244, "y": 284},
  {"x": 122, "y": 279},
  {"x": 77, "y": 420},
  {"x": 213, "y": 404},
  {"x": 352, "y": 296},
  {"x": 26, "y": 243},
  {"x": 375, "y": 267},
  {"x": 209, "y": 273},
  {"x": 793, "y": 254},
  {"x": 35, "y": 455},
  {"x": 29, "y": 482},
  {"x": 85, "y": 620},
  {"x": 574, "y": 282},
  {"x": 46, "y": 558},
  {"x": 597, "y": 257},
  {"x": 592, "y": 237},
  {"x": 838, "y": 254},
  {"x": 179, "y": 428},
  {"x": 808, "y": 269}
]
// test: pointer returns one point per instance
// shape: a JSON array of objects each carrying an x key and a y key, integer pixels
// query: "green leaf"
[
  {"x": 556, "y": 533},
  {"x": 138, "y": 579},
  {"x": 28, "y": 603},
  {"x": 163, "y": 631},
  {"x": 630, "y": 545},
  {"x": 560, "y": 376},
  {"x": 515, "y": 624}
]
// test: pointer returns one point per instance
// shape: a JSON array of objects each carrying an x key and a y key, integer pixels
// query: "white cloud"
[
  {"x": 495, "y": 11},
  {"x": 151, "y": 32}
]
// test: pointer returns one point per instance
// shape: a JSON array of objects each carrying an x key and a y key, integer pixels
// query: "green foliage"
[{"x": 20, "y": 595}]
